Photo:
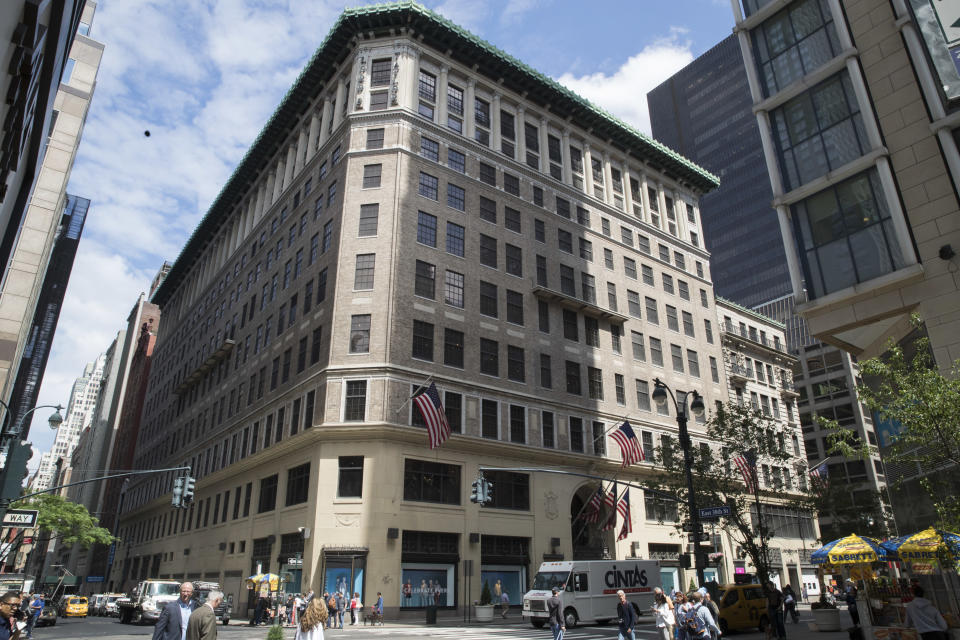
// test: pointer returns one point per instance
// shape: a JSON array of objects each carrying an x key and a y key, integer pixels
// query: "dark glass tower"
[{"x": 704, "y": 112}]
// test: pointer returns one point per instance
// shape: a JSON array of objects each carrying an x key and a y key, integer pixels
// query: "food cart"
[{"x": 853, "y": 557}]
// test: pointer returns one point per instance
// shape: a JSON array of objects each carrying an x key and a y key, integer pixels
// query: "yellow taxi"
[
  {"x": 742, "y": 606},
  {"x": 76, "y": 606}
]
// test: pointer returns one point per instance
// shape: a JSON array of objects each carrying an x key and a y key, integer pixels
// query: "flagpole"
[{"x": 419, "y": 386}]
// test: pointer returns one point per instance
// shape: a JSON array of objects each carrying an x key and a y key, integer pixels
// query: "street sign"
[
  {"x": 688, "y": 527},
  {"x": 948, "y": 15},
  {"x": 94, "y": 578},
  {"x": 712, "y": 513},
  {"x": 295, "y": 561},
  {"x": 698, "y": 537},
  {"x": 26, "y": 518}
]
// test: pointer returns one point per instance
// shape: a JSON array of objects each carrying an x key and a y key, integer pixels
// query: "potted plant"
[
  {"x": 826, "y": 615},
  {"x": 484, "y": 610}
]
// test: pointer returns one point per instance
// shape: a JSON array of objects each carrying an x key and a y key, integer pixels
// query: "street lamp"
[
  {"x": 660, "y": 393},
  {"x": 54, "y": 420}
]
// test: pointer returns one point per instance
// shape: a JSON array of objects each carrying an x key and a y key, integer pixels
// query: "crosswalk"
[{"x": 513, "y": 632}]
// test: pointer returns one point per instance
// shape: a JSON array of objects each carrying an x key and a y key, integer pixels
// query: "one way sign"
[{"x": 25, "y": 518}]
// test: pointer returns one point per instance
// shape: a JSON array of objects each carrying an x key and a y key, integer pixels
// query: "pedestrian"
[
  {"x": 663, "y": 609},
  {"x": 355, "y": 607},
  {"x": 331, "y": 610},
  {"x": 378, "y": 609},
  {"x": 172, "y": 623},
  {"x": 504, "y": 603},
  {"x": 555, "y": 615},
  {"x": 203, "y": 620},
  {"x": 712, "y": 606},
  {"x": 851, "y": 598},
  {"x": 925, "y": 618},
  {"x": 679, "y": 604},
  {"x": 626, "y": 618},
  {"x": 341, "y": 607},
  {"x": 312, "y": 620},
  {"x": 258, "y": 611},
  {"x": 36, "y": 608},
  {"x": 699, "y": 622},
  {"x": 790, "y": 604},
  {"x": 9, "y": 606},
  {"x": 775, "y": 609}
]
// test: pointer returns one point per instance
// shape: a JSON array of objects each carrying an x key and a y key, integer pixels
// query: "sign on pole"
[
  {"x": 697, "y": 537},
  {"x": 712, "y": 513},
  {"x": 26, "y": 518}
]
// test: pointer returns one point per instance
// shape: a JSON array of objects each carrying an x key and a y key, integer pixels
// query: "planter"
[
  {"x": 484, "y": 612},
  {"x": 826, "y": 619}
]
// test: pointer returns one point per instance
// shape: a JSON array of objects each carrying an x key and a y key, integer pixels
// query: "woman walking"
[
  {"x": 679, "y": 610},
  {"x": 355, "y": 607},
  {"x": 311, "y": 622},
  {"x": 663, "y": 608}
]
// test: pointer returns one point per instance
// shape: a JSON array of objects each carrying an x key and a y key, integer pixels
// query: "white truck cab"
[{"x": 588, "y": 589}]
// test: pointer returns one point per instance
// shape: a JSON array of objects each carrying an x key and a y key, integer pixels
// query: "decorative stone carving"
[
  {"x": 361, "y": 74},
  {"x": 347, "y": 520},
  {"x": 550, "y": 506},
  {"x": 394, "y": 87}
]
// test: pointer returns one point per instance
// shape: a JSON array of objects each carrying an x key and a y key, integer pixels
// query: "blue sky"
[{"x": 203, "y": 76}]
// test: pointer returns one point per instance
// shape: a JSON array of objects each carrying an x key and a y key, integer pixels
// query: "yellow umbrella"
[
  {"x": 853, "y": 549},
  {"x": 260, "y": 578}
]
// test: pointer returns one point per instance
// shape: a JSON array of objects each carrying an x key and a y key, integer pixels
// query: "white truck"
[{"x": 588, "y": 589}]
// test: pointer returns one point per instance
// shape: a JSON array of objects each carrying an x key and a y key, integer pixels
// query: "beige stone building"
[
  {"x": 422, "y": 207},
  {"x": 857, "y": 102}
]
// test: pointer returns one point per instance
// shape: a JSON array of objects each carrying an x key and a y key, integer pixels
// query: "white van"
[{"x": 588, "y": 589}]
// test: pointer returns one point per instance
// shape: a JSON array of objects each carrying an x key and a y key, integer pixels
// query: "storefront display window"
[{"x": 424, "y": 585}]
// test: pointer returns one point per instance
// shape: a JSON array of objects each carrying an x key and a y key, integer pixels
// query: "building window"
[
  {"x": 672, "y": 321},
  {"x": 427, "y": 229},
  {"x": 427, "y": 91},
  {"x": 378, "y": 100},
  {"x": 453, "y": 289},
  {"x": 268, "y": 494},
  {"x": 652, "y": 316},
  {"x": 350, "y": 477},
  {"x": 481, "y": 110},
  {"x": 425, "y": 481},
  {"x": 371, "y": 175},
  {"x": 571, "y": 325},
  {"x": 565, "y": 241},
  {"x": 456, "y": 197},
  {"x": 630, "y": 268},
  {"x": 794, "y": 42},
  {"x": 656, "y": 352},
  {"x": 576, "y": 433},
  {"x": 488, "y": 210},
  {"x": 518, "y": 425},
  {"x": 516, "y": 367},
  {"x": 511, "y": 490},
  {"x": 488, "y": 174},
  {"x": 355, "y": 407},
  {"x": 489, "y": 357},
  {"x": 456, "y": 160},
  {"x": 639, "y": 351},
  {"x": 846, "y": 235},
  {"x": 488, "y": 299},
  {"x": 375, "y": 138},
  {"x": 591, "y": 331},
  {"x": 595, "y": 383},
  {"x": 453, "y": 348},
  {"x": 676, "y": 355},
  {"x": 488, "y": 251},
  {"x": 514, "y": 260},
  {"x": 455, "y": 239},
  {"x": 364, "y": 273},
  {"x": 369, "y": 214},
  {"x": 693, "y": 363},
  {"x": 511, "y": 219},
  {"x": 423, "y": 340},
  {"x": 430, "y": 149},
  {"x": 490, "y": 419},
  {"x": 620, "y": 389},
  {"x": 573, "y": 377},
  {"x": 360, "y": 333},
  {"x": 511, "y": 184},
  {"x": 429, "y": 186},
  {"x": 298, "y": 484},
  {"x": 546, "y": 375},
  {"x": 380, "y": 72},
  {"x": 514, "y": 307},
  {"x": 424, "y": 285},
  {"x": 643, "y": 397}
]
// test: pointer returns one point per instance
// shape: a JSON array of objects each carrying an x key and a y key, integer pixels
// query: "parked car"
[
  {"x": 94, "y": 603},
  {"x": 109, "y": 605},
  {"x": 48, "y": 616}
]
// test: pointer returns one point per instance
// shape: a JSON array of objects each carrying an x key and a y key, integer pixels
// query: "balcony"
[
  {"x": 788, "y": 390},
  {"x": 213, "y": 360},
  {"x": 728, "y": 328},
  {"x": 577, "y": 304},
  {"x": 740, "y": 374}
]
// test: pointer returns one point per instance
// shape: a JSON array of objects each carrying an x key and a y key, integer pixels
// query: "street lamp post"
[
  {"x": 54, "y": 421},
  {"x": 660, "y": 394},
  {"x": 17, "y": 452}
]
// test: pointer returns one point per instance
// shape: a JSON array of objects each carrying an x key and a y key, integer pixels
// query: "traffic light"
[
  {"x": 18, "y": 454},
  {"x": 178, "y": 483},
  {"x": 188, "y": 486},
  {"x": 476, "y": 492},
  {"x": 487, "y": 491}
]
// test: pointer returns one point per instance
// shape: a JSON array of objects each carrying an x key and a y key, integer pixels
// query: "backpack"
[
  {"x": 695, "y": 627},
  {"x": 636, "y": 608},
  {"x": 332, "y": 603}
]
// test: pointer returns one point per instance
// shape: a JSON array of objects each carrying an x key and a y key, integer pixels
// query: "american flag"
[
  {"x": 431, "y": 409},
  {"x": 611, "y": 501},
  {"x": 747, "y": 464},
  {"x": 819, "y": 473},
  {"x": 593, "y": 507},
  {"x": 623, "y": 508},
  {"x": 630, "y": 449}
]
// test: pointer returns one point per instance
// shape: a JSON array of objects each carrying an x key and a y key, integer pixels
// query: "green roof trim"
[
  {"x": 467, "y": 48},
  {"x": 751, "y": 312}
]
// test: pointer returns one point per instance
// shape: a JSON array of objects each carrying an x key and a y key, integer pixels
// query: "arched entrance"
[{"x": 588, "y": 540}]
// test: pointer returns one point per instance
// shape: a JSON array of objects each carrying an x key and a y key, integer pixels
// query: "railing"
[{"x": 743, "y": 332}]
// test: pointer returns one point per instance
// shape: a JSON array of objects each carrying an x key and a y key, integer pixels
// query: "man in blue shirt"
[
  {"x": 626, "y": 618},
  {"x": 172, "y": 623},
  {"x": 36, "y": 608}
]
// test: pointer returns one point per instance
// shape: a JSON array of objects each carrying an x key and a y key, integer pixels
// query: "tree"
[
  {"x": 69, "y": 522},
  {"x": 718, "y": 481},
  {"x": 908, "y": 390}
]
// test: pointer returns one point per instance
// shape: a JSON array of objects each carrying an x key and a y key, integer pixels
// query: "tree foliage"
[
  {"x": 909, "y": 391},
  {"x": 717, "y": 480},
  {"x": 71, "y": 523}
]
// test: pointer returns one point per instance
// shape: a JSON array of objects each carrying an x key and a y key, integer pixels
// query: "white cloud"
[{"x": 624, "y": 91}]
